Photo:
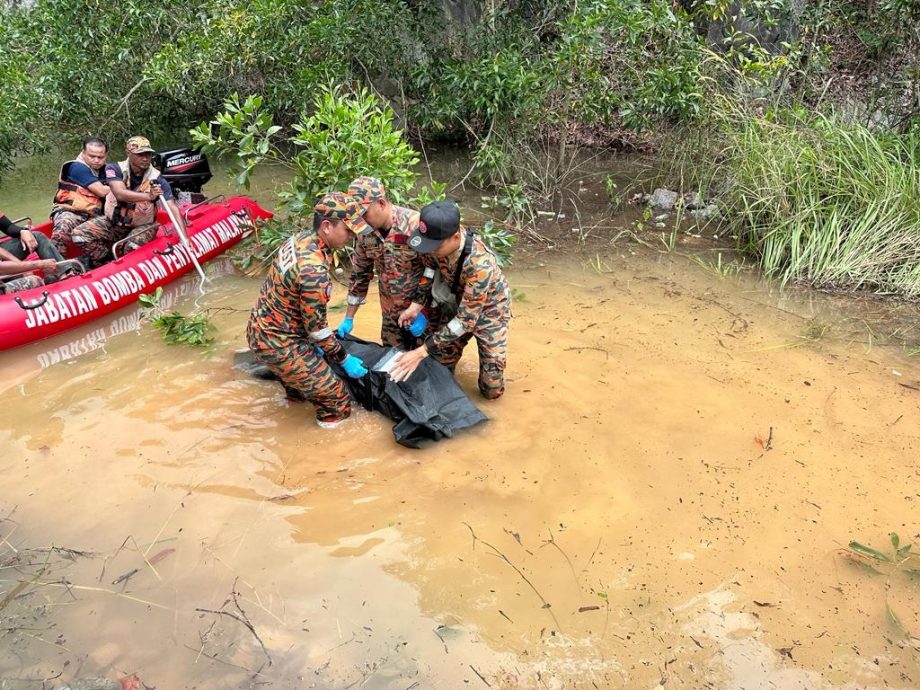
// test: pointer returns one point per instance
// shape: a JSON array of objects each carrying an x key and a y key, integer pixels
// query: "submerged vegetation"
[
  {"x": 177, "y": 329},
  {"x": 800, "y": 118},
  {"x": 900, "y": 560}
]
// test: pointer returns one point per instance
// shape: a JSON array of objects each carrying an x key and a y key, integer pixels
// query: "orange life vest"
[
  {"x": 73, "y": 197},
  {"x": 132, "y": 214}
]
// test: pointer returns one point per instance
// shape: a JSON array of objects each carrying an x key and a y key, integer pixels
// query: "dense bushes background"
[
  {"x": 615, "y": 67},
  {"x": 517, "y": 81}
]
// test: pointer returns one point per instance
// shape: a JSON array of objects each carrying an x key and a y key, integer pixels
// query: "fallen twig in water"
[
  {"x": 86, "y": 588},
  {"x": 144, "y": 556},
  {"x": 171, "y": 515},
  {"x": 200, "y": 652},
  {"x": 33, "y": 680},
  {"x": 552, "y": 541},
  {"x": 435, "y": 631},
  {"x": 38, "y": 638},
  {"x": 765, "y": 444},
  {"x": 242, "y": 618},
  {"x": 5, "y": 539},
  {"x": 127, "y": 576},
  {"x": 478, "y": 673},
  {"x": 546, "y": 604},
  {"x": 72, "y": 554},
  {"x": 593, "y": 554},
  {"x": 24, "y": 584},
  {"x": 589, "y": 347}
]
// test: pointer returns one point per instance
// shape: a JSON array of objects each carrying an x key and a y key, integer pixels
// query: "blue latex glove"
[
  {"x": 319, "y": 351},
  {"x": 345, "y": 327},
  {"x": 417, "y": 327},
  {"x": 354, "y": 367}
]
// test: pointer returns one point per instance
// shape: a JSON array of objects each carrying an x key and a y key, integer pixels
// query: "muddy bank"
[{"x": 618, "y": 522}]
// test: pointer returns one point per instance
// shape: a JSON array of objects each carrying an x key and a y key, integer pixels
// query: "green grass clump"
[{"x": 820, "y": 201}]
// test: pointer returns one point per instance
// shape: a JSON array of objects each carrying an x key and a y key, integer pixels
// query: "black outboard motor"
[{"x": 185, "y": 169}]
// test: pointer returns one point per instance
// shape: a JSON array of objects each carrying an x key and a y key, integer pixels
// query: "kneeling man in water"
[
  {"x": 471, "y": 294},
  {"x": 288, "y": 331}
]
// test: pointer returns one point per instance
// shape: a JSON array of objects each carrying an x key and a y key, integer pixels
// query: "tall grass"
[{"x": 818, "y": 200}]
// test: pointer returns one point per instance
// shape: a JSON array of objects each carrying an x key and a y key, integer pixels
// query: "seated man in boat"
[
  {"x": 21, "y": 278},
  {"x": 81, "y": 192},
  {"x": 288, "y": 331},
  {"x": 472, "y": 295},
  {"x": 135, "y": 187},
  {"x": 19, "y": 242}
]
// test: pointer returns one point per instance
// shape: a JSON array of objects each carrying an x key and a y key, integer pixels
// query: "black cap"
[{"x": 438, "y": 221}]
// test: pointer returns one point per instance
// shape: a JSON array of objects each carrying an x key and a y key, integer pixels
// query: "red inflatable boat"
[{"x": 41, "y": 312}]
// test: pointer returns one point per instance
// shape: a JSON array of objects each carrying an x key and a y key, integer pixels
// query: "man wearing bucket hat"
[
  {"x": 287, "y": 329},
  {"x": 400, "y": 271},
  {"x": 130, "y": 207},
  {"x": 472, "y": 296}
]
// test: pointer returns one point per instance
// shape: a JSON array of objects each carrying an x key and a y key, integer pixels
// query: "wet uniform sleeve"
[
  {"x": 476, "y": 279},
  {"x": 7, "y": 227},
  {"x": 315, "y": 289},
  {"x": 362, "y": 271},
  {"x": 422, "y": 294}
]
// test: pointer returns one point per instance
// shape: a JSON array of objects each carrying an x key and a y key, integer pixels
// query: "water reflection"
[{"x": 24, "y": 362}]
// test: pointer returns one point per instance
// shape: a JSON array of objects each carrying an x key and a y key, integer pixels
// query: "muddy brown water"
[{"x": 618, "y": 523}]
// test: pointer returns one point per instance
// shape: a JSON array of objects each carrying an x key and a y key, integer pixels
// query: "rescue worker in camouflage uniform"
[
  {"x": 385, "y": 252},
  {"x": 287, "y": 329},
  {"x": 472, "y": 295},
  {"x": 130, "y": 207}
]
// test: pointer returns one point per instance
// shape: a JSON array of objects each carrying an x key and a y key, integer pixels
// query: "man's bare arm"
[{"x": 122, "y": 193}]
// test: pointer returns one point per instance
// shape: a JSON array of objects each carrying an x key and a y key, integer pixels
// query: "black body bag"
[{"x": 428, "y": 407}]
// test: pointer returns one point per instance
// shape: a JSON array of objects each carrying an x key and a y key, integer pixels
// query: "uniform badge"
[{"x": 415, "y": 241}]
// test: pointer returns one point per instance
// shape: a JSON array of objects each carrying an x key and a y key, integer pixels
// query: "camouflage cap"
[
  {"x": 139, "y": 145},
  {"x": 367, "y": 190},
  {"x": 338, "y": 206}
]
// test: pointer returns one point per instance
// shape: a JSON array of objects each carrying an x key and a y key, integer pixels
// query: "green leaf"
[
  {"x": 895, "y": 540},
  {"x": 863, "y": 550},
  {"x": 894, "y": 621}
]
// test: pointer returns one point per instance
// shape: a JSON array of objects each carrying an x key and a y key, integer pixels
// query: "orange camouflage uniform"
[
  {"x": 289, "y": 322},
  {"x": 400, "y": 274},
  {"x": 483, "y": 313}
]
